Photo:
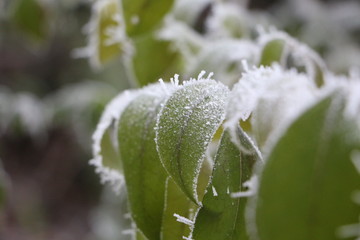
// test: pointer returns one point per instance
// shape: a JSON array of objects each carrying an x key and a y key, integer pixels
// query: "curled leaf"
[{"x": 185, "y": 127}]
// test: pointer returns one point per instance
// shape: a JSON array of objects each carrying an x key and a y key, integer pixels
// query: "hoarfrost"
[
  {"x": 198, "y": 89},
  {"x": 111, "y": 115},
  {"x": 183, "y": 220},
  {"x": 115, "y": 33},
  {"x": 302, "y": 54},
  {"x": 274, "y": 97},
  {"x": 252, "y": 186}
]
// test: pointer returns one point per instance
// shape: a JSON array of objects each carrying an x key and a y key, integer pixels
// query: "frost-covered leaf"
[
  {"x": 272, "y": 52},
  {"x": 106, "y": 34},
  {"x": 308, "y": 178},
  {"x": 222, "y": 216},
  {"x": 144, "y": 175},
  {"x": 272, "y": 108},
  {"x": 289, "y": 53},
  {"x": 108, "y": 22},
  {"x": 153, "y": 59},
  {"x": 142, "y": 16},
  {"x": 185, "y": 127},
  {"x": 176, "y": 202},
  {"x": 105, "y": 156}
]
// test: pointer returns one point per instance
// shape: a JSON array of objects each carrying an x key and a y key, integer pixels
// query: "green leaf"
[
  {"x": 186, "y": 126},
  {"x": 319, "y": 77},
  {"x": 308, "y": 179},
  {"x": 222, "y": 216},
  {"x": 144, "y": 175},
  {"x": 153, "y": 59},
  {"x": 110, "y": 156},
  {"x": 272, "y": 52},
  {"x": 107, "y": 50},
  {"x": 142, "y": 16},
  {"x": 175, "y": 203},
  {"x": 140, "y": 235},
  {"x": 30, "y": 17}
]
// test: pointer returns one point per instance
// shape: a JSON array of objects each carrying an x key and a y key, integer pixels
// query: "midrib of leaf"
[{"x": 182, "y": 131}]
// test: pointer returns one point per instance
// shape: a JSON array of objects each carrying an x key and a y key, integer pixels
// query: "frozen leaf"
[
  {"x": 142, "y": 16},
  {"x": 106, "y": 34},
  {"x": 272, "y": 52},
  {"x": 280, "y": 47},
  {"x": 306, "y": 183},
  {"x": 176, "y": 202},
  {"x": 274, "y": 97},
  {"x": 221, "y": 215},
  {"x": 185, "y": 127},
  {"x": 105, "y": 156},
  {"x": 144, "y": 175}
]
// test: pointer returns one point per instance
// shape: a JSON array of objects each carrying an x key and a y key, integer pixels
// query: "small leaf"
[
  {"x": 108, "y": 20},
  {"x": 307, "y": 181},
  {"x": 144, "y": 175},
  {"x": 186, "y": 126},
  {"x": 153, "y": 59},
  {"x": 108, "y": 151},
  {"x": 30, "y": 16},
  {"x": 142, "y": 16},
  {"x": 175, "y": 203},
  {"x": 106, "y": 159},
  {"x": 222, "y": 216},
  {"x": 272, "y": 52}
]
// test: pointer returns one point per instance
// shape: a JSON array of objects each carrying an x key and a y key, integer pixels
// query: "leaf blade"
[
  {"x": 222, "y": 216},
  {"x": 144, "y": 174},
  {"x": 185, "y": 127},
  {"x": 142, "y": 16},
  {"x": 311, "y": 198}
]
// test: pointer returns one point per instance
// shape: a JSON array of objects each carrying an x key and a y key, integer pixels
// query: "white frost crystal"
[
  {"x": 273, "y": 97},
  {"x": 111, "y": 115}
]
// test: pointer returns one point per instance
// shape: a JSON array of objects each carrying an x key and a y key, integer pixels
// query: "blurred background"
[{"x": 51, "y": 100}]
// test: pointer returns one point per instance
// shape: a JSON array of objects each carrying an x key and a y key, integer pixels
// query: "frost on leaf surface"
[
  {"x": 222, "y": 216},
  {"x": 185, "y": 127},
  {"x": 273, "y": 97},
  {"x": 109, "y": 169},
  {"x": 284, "y": 48},
  {"x": 106, "y": 34},
  {"x": 144, "y": 175}
]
